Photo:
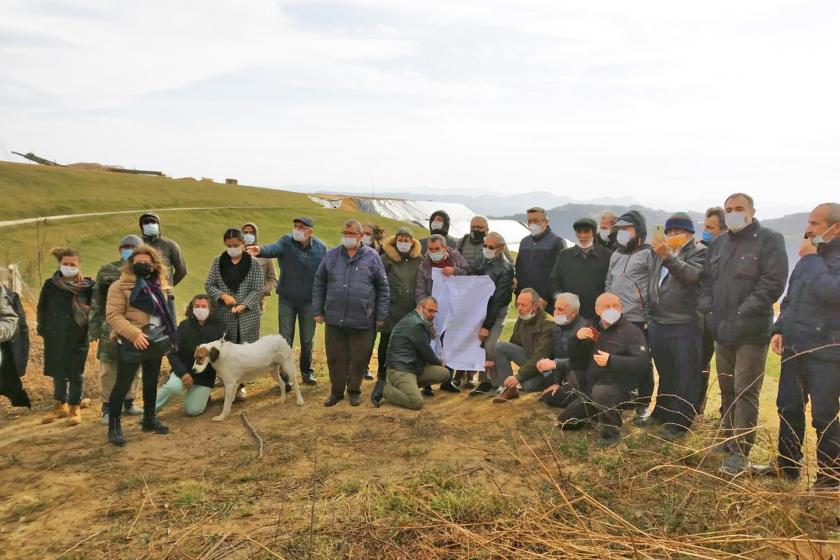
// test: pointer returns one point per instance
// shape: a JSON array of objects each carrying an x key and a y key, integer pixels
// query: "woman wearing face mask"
[
  {"x": 235, "y": 282},
  {"x": 199, "y": 327},
  {"x": 249, "y": 235},
  {"x": 63, "y": 308},
  {"x": 139, "y": 302}
]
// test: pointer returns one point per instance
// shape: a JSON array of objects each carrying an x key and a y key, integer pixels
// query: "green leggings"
[{"x": 194, "y": 402}]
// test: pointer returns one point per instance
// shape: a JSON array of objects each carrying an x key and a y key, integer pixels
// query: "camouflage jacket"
[{"x": 98, "y": 328}]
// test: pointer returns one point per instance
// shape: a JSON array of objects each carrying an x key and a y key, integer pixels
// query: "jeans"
[
  {"x": 677, "y": 351},
  {"x": 125, "y": 376},
  {"x": 508, "y": 353},
  {"x": 740, "y": 370},
  {"x": 403, "y": 388},
  {"x": 803, "y": 377},
  {"x": 348, "y": 354},
  {"x": 69, "y": 389},
  {"x": 195, "y": 400},
  {"x": 287, "y": 314}
]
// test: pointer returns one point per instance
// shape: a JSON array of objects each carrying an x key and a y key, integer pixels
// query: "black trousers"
[
  {"x": 677, "y": 351},
  {"x": 645, "y": 379},
  {"x": 125, "y": 375},
  {"x": 382, "y": 354},
  {"x": 348, "y": 355},
  {"x": 602, "y": 400}
]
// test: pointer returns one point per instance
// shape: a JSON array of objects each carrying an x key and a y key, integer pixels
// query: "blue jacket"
[
  {"x": 297, "y": 267},
  {"x": 810, "y": 315},
  {"x": 351, "y": 292}
]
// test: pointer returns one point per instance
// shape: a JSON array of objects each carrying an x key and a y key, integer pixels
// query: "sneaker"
[
  {"x": 104, "y": 419},
  {"x": 449, "y": 387},
  {"x": 154, "y": 425},
  {"x": 734, "y": 464},
  {"x": 309, "y": 378},
  {"x": 133, "y": 410},
  {"x": 427, "y": 391},
  {"x": 241, "y": 395},
  {"x": 484, "y": 388},
  {"x": 368, "y": 376}
]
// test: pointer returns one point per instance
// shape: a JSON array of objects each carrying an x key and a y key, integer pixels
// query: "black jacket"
[
  {"x": 190, "y": 335},
  {"x": 562, "y": 338},
  {"x": 627, "y": 347},
  {"x": 810, "y": 315},
  {"x": 500, "y": 271},
  {"x": 744, "y": 274},
  {"x": 535, "y": 261},
  {"x": 583, "y": 274},
  {"x": 15, "y": 353},
  {"x": 673, "y": 300},
  {"x": 408, "y": 348},
  {"x": 451, "y": 242},
  {"x": 65, "y": 342}
]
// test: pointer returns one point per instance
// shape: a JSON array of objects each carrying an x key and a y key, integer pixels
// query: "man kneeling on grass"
[
  {"x": 614, "y": 351},
  {"x": 411, "y": 362}
]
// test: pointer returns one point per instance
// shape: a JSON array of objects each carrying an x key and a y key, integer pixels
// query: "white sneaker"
[
  {"x": 104, "y": 419},
  {"x": 241, "y": 395},
  {"x": 134, "y": 411}
]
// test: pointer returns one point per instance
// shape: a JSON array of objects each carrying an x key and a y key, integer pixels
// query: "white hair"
[{"x": 570, "y": 298}]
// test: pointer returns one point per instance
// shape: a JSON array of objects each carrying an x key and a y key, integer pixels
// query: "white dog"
[{"x": 237, "y": 363}]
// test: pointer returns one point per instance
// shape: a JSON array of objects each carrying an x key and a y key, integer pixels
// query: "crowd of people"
[{"x": 592, "y": 321}]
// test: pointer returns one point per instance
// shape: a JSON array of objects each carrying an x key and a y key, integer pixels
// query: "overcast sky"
[{"x": 673, "y": 103}]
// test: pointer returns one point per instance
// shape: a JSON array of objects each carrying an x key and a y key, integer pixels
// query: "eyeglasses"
[{"x": 428, "y": 310}]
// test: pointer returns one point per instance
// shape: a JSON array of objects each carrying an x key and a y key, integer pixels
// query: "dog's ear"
[{"x": 214, "y": 354}]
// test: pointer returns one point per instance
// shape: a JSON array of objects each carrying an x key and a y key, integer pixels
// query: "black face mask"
[
  {"x": 142, "y": 270},
  {"x": 476, "y": 235}
]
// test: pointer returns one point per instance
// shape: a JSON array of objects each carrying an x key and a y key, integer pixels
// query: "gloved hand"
[{"x": 377, "y": 393}]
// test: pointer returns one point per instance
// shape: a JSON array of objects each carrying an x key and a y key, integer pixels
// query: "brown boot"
[
  {"x": 509, "y": 394},
  {"x": 59, "y": 410},
  {"x": 74, "y": 415}
]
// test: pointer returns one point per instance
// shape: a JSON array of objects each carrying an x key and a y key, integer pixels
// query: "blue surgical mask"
[
  {"x": 151, "y": 229},
  {"x": 249, "y": 238},
  {"x": 623, "y": 237},
  {"x": 125, "y": 253},
  {"x": 708, "y": 236}
]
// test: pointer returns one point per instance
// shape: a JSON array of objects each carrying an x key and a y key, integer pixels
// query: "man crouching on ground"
[{"x": 411, "y": 362}]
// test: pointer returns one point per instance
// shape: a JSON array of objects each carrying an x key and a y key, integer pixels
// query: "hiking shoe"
[
  {"x": 484, "y": 388},
  {"x": 153, "y": 425},
  {"x": 734, "y": 464},
  {"x": 115, "y": 434},
  {"x": 59, "y": 410},
  {"x": 74, "y": 415}
]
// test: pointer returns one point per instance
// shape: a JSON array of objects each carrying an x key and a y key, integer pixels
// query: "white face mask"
[
  {"x": 151, "y": 230},
  {"x": 403, "y": 246},
  {"x": 528, "y": 316},
  {"x": 586, "y": 245},
  {"x": 69, "y": 271},
  {"x": 624, "y": 237},
  {"x": 298, "y": 235},
  {"x": 234, "y": 252},
  {"x": 604, "y": 234},
  {"x": 349, "y": 242},
  {"x": 250, "y": 238},
  {"x": 562, "y": 320},
  {"x": 201, "y": 313},
  {"x": 611, "y": 316},
  {"x": 437, "y": 257},
  {"x": 488, "y": 253},
  {"x": 437, "y": 225},
  {"x": 535, "y": 229},
  {"x": 736, "y": 221},
  {"x": 367, "y": 240}
]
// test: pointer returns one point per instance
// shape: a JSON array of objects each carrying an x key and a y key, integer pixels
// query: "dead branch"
[{"x": 254, "y": 433}]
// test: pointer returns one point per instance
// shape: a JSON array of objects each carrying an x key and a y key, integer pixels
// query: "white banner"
[{"x": 462, "y": 307}]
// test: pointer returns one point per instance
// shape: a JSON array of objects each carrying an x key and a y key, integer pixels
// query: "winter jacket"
[
  {"x": 535, "y": 261},
  {"x": 298, "y": 264},
  {"x": 744, "y": 274},
  {"x": 629, "y": 273},
  {"x": 14, "y": 352},
  {"x": 65, "y": 342},
  {"x": 8, "y": 317},
  {"x": 451, "y": 242},
  {"x": 674, "y": 297},
  {"x": 583, "y": 273},
  {"x": 170, "y": 251},
  {"x": 471, "y": 249},
  {"x": 98, "y": 329},
  {"x": 561, "y": 338},
  {"x": 534, "y": 336},
  {"x": 401, "y": 270},
  {"x": 191, "y": 334},
  {"x": 627, "y": 347},
  {"x": 408, "y": 348},
  {"x": 810, "y": 315},
  {"x": 500, "y": 271},
  {"x": 423, "y": 286},
  {"x": 267, "y": 265},
  {"x": 245, "y": 326},
  {"x": 351, "y": 291},
  {"x": 125, "y": 320}
]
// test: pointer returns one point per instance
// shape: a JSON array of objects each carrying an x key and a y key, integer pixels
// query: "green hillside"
[{"x": 31, "y": 191}]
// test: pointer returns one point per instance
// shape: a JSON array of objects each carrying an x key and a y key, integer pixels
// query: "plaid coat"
[{"x": 244, "y": 327}]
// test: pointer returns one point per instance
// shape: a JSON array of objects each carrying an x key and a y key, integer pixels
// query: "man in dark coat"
[
  {"x": 537, "y": 255},
  {"x": 14, "y": 347},
  {"x": 582, "y": 269},
  {"x": 439, "y": 225},
  {"x": 744, "y": 275},
  {"x": 713, "y": 225},
  {"x": 170, "y": 251},
  {"x": 807, "y": 336},
  {"x": 558, "y": 365}
]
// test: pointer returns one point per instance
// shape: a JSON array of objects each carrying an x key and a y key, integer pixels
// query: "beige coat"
[{"x": 124, "y": 320}]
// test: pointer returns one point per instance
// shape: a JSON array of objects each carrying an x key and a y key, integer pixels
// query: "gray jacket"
[
  {"x": 674, "y": 296},
  {"x": 8, "y": 317},
  {"x": 629, "y": 279}
]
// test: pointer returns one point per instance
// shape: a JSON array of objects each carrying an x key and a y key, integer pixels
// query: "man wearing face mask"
[
  {"x": 537, "y": 255},
  {"x": 557, "y": 366},
  {"x": 439, "y": 225},
  {"x": 582, "y": 269},
  {"x": 99, "y": 330},
  {"x": 170, "y": 251},
  {"x": 530, "y": 341},
  {"x": 249, "y": 235},
  {"x": 744, "y": 275},
  {"x": 606, "y": 231},
  {"x": 298, "y": 256},
  {"x": 351, "y": 295},
  {"x": 471, "y": 245},
  {"x": 372, "y": 236},
  {"x": 609, "y": 353},
  {"x": 713, "y": 225},
  {"x": 411, "y": 361},
  {"x": 628, "y": 278},
  {"x": 806, "y": 335},
  {"x": 675, "y": 328}
]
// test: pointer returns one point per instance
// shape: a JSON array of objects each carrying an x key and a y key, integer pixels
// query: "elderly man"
[
  {"x": 350, "y": 294},
  {"x": 744, "y": 274},
  {"x": 530, "y": 341},
  {"x": 675, "y": 328},
  {"x": 411, "y": 362},
  {"x": 558, "y": 367},
  {"x": 537, "y": 255},
  {"x": 606, "y": 231},
  {"x": 611, "y": 353},
  {"x": 806, "y": 336},
  {"x": 298, "y": 255},
  {"x": 582, "y": 269}
]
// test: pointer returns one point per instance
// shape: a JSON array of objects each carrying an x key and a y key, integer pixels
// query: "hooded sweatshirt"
[
  {"x": 451, "y": 242},
  {"x": 170, "y": 251},
  {"x": 267, "y": 265},
  {"x": 629, "y": 272}
]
